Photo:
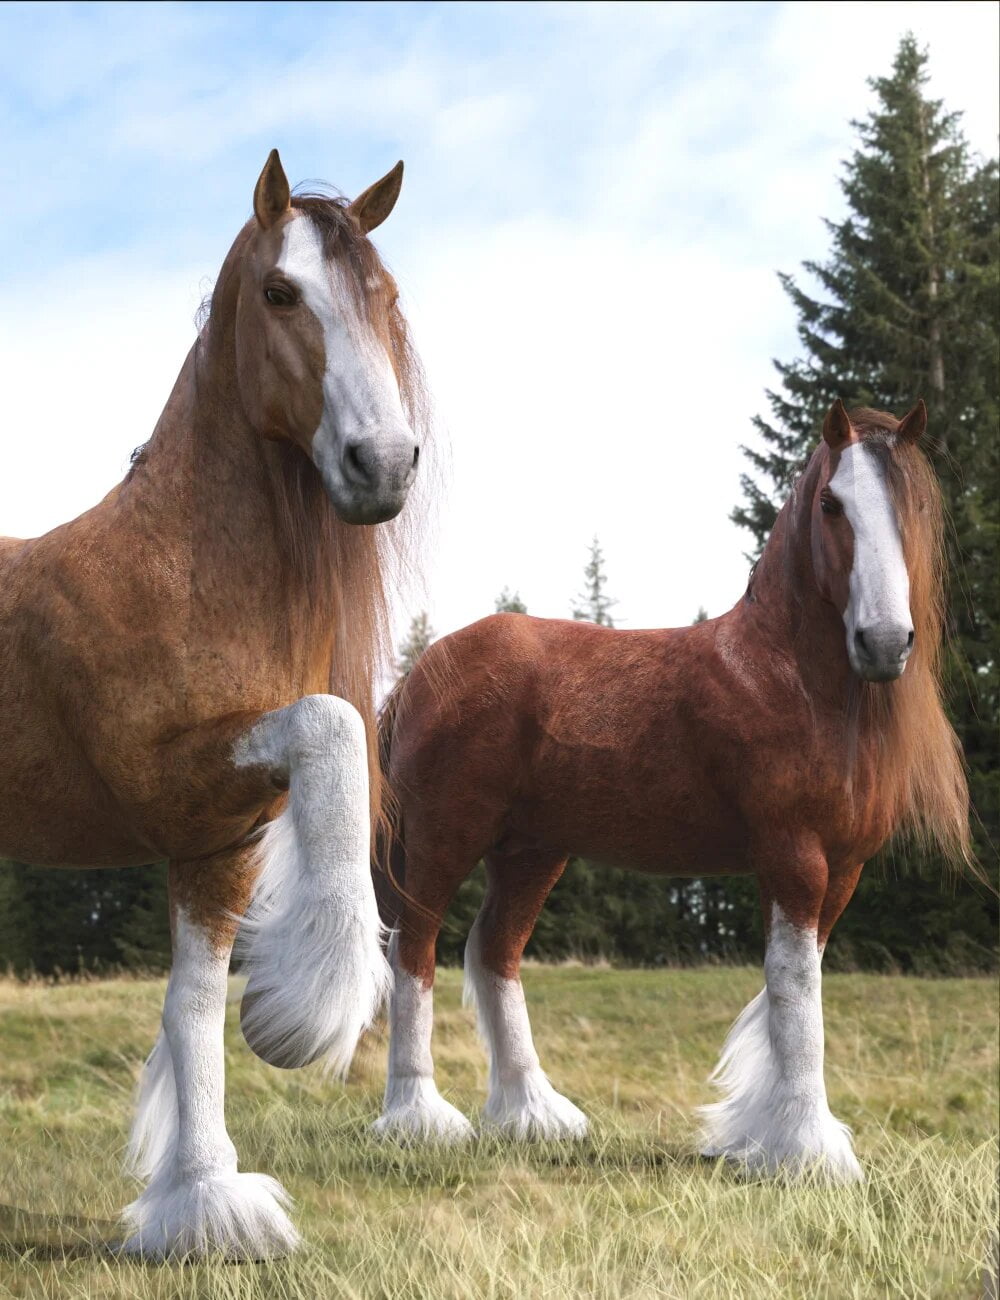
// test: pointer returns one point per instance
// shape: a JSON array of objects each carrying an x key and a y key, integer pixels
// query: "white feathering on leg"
[
  {"x": 153, "y": 1138},
  {"x": 238, "y": 1216},
  {"x": 311, "y": 942},
  {"x": 311, "y": 947},
  {"x": 413, "y": 1110},
  {"x": 774, "y": 1112},
  {"x": 196, "y": 1202}
]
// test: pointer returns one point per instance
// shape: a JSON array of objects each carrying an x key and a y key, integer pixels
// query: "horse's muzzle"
[
  {"x": 880, "y": 654},
  {"x": 374, "y": 480}
]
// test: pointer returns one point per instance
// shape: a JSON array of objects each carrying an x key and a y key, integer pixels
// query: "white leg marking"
[
  {"x": 311, "y": 940},
  {"x": 196, "y": 1202},
  {"x": 521, "y": 1100},
  {"x": 413, "y": 1108},
  {"x": 774, "y": 1112}
]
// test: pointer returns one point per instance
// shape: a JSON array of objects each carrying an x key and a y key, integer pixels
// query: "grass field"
[{"x": 911, "y": 1065}]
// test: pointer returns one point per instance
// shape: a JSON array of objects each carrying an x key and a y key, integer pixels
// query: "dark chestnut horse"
[
  {"x": 191, "y": 661},
  {"x": 783, "y": 739}
]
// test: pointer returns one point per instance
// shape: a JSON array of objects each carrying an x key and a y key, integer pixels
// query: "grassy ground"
[{"x": 911, "y": 1065}]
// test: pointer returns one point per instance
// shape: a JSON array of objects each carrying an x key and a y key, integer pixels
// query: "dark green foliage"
[
  {"x": 905, "y": 924},
  {"x": 510, "y": 602},
  {"x": 917, "y": 924},
  {"x": 624, "y": 916},
  {"x": 56, "y": 921}
]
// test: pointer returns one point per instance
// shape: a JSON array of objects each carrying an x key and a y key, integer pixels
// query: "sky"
[{"x": 597, "y": 200}]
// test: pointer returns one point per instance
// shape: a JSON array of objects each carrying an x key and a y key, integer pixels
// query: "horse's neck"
[{"x": 208, "y": 485}]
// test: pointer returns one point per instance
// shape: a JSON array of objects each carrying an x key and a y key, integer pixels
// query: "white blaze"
[
  {"x": 361, "y": 398},
  {"x": 879, "y": 584}
]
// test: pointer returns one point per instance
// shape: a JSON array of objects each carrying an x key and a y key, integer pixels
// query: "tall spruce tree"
[
  {"x": 593, "y": 604},
  {"x": 908, "y": 306}
]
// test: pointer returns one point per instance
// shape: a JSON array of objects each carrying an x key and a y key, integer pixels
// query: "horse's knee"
[
  {"x": 315, "y": 729},
  {"x": 323, "y": 726}
]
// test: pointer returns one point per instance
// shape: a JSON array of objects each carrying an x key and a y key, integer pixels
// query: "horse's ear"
[
  {"x": 272, "y": 198},
  {"x": 837, "y": 426},
  {"x": 372, "y": 207},
  {"x": 912, "y": 425}
]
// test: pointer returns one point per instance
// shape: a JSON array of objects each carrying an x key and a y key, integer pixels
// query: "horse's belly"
[
  {"x": 61, "y": 833},
  {"x": 676, "y": 832}
]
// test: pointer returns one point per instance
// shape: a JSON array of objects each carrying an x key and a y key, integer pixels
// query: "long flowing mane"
[{"x": 919, "y": 771}]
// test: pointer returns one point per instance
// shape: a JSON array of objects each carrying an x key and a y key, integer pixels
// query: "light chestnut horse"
[
  {"x": 191, "y": 661},
  {"x": 783, "y": 739}
]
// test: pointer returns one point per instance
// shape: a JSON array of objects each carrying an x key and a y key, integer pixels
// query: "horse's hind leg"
[
  {"x": 521, "y": 1100},
  {"x": 433, "y": 867},
  {"x": 775, "y": 1112},
  {"x": 195, "y": 1200}
]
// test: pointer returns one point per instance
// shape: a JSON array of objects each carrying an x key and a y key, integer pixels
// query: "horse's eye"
[
  {"x": 279, "y": 296},
  {"x": 829, "y": 504}
]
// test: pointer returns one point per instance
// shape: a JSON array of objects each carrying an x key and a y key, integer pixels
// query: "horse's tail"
[{"x": 388, "y": 855}]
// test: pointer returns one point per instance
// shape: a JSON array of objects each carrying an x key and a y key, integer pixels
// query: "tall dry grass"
[{"x": 631, "y": 1212}]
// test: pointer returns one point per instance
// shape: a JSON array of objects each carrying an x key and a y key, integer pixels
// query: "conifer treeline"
[{"x": 906, "y": 305}]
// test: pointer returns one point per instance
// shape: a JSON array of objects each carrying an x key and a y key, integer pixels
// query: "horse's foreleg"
[
  {"x": 195, "y": 1201},
  {"x": 774, "y": 1112},
  {"x": 311, "y": 940},
  {"x": 521, "y": 1101}
]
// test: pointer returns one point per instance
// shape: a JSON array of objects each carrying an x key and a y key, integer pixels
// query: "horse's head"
[
  {"x": 857, "y": 542},
  {"x": 322, "y": 356}
]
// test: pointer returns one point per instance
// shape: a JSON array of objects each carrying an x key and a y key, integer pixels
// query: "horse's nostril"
[
  {"x": 909, "y": 642},
  {"x": 416, "y": 456},
  {"x": 360, "y": 463},
  {"x": 859, "y": 641}
]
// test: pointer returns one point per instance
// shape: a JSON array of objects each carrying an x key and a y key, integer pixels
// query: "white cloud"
[
  {"x": 597, "y": 198},
  {"x": 90, "y": 359},
  {"x": 602, "y": 386}
]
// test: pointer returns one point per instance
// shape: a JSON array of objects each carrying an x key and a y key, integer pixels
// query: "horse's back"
[{"x": 10, "y": 546}]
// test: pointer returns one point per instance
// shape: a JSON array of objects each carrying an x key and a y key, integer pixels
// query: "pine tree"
[
  {"x": 420, "y": 636},
  {"x": 70, "y": 920},
  {"x": 510, "y": 602},
  {"x": 908, "y": 306},
  {"x": 593, "y": 606},
  {"x": 910, "y": 292}
]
